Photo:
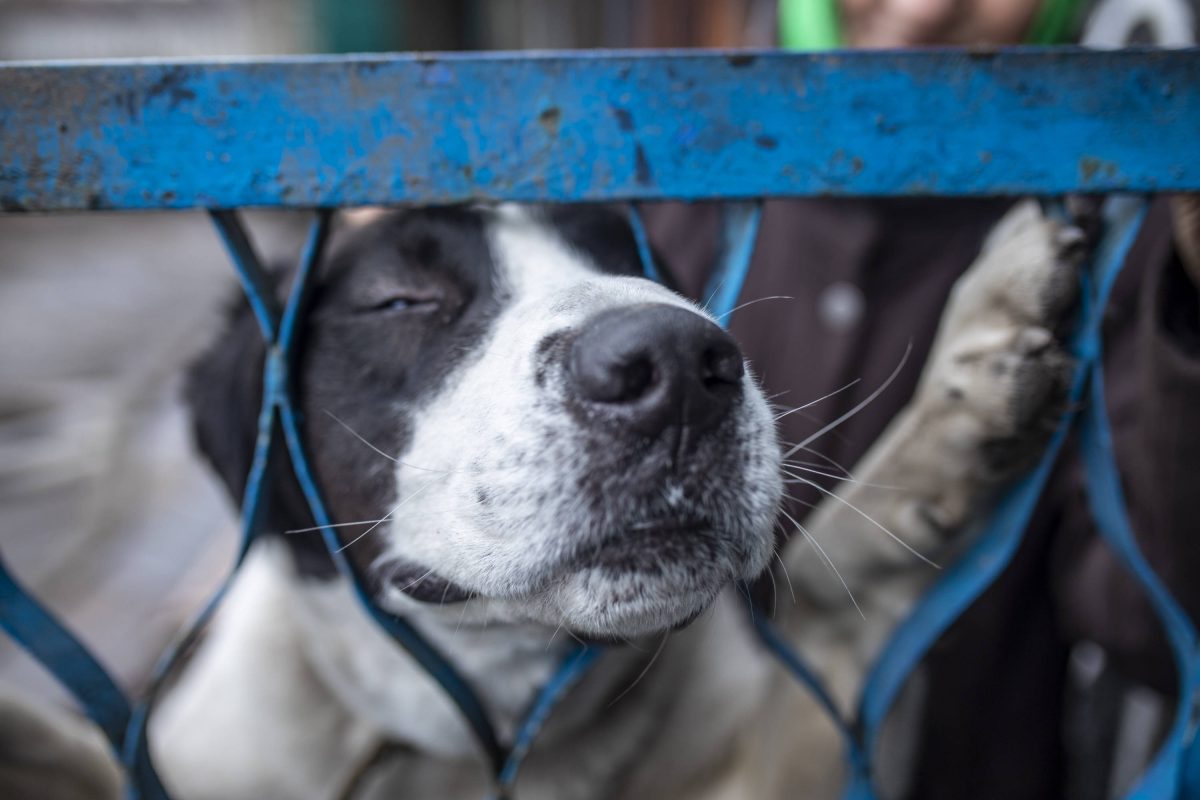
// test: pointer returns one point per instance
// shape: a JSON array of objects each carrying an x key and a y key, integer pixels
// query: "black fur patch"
[{"x": 395, "y": 306}]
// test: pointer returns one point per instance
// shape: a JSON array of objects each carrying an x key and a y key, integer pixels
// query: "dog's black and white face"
[{"x": 566, "y": 440}]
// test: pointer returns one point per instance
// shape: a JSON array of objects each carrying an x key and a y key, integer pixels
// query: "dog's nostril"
[
  {"x": 722, "y": 365},
  {"x": 603, "y": 376},
  {"x": 636, "y": 378}
]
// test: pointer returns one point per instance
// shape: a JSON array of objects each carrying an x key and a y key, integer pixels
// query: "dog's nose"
[{"x": 652, "y": 366}]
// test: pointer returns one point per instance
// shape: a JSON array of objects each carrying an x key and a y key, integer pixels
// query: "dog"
[{"x": 524, "y": 442}]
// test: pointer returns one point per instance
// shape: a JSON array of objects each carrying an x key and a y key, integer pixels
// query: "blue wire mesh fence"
[{"x": 320, "y": 133}]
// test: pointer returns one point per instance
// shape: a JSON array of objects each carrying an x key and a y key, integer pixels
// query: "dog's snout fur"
[{"x": 651, "y": 367}]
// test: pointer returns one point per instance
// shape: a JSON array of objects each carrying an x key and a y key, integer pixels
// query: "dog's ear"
[{"x": 223, "y": 390}]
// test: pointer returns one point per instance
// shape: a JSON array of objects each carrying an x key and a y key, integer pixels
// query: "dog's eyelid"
[
  {"x": 414, "y": 302},
  {"x": 387, "y": 294}
]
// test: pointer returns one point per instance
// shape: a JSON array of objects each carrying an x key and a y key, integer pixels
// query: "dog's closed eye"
[
  {"x": 397, "y": 296},
  {"x": 406, "y": 303}
]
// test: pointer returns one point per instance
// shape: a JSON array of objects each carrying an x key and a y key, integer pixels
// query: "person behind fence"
[{"x": 1030, "y": 691}]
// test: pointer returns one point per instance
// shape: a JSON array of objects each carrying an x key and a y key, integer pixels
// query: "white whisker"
[
  {"x": 829, "y": 461},
  {"x": 387, "y": 516},
  {"x": 828, "y": 561},
  {"x": 854, "y": 382},
  {"x": 868, "y": 518},
  {"x": 645, "y": 669},
  {"x": 333, "y": 525},
  {"x": 418, "y": 580},
  {"x": 811, "y": 464},
  {"x": 870, "y": 398},
  {"x": 716, "y": 290},
  {"x": 556, "y": 630},
  {"x": 752, "y": 302},
  {"x": 846, "y": 479},
  {"x": 391, "y": 458},
  {"x": 805, "y": 503},
  {"x": 786, "y": 577},
  {"x": 774, "y": 587},
  {"x": 461, "y": 615}
]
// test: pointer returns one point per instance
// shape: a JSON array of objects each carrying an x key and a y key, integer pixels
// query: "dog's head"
[{"x": 534, "y": 423}]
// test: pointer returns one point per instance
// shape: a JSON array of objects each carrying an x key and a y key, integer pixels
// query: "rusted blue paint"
[{"x": 577, "y": 127}]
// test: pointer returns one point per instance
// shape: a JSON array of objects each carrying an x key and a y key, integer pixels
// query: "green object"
[
  {"x": 362, "y": 26},
  {"x": 1056, "y": 22},
  {"x": 809, "y": 25},
  {"x": 814, "y": 24}
]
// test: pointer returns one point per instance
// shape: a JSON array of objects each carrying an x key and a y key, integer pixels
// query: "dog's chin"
[
  {"x": 600, "y": 605},
  {"x": 654, "y": 580},
  {"x": 640, "y": 586},
  {"x": 631, "y": 584},
  {"x": 600, "y": 602}
]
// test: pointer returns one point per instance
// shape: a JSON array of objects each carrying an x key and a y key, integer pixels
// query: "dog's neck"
[
  {"x": 505, "y": 661},
  {"x": 647, "y": 702},
  {"x": 641, "y": 722},
  {"x": 508, "y": 661}
]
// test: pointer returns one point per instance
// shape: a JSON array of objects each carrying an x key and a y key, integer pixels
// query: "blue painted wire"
[
  {"x": 144, "y": 783},
  {"x": 1172, "y": 772},
  {"x": 430, "y": 658},
  {"x": 504, "y": 762},
  {"x": 48, "y": 641},
  {"x": 297, "y": 301},
  {"x": 997, "y": 544},
  {"x": 740, "y": 230},
  {"x": 1175, "y": 771},
  {"x": 573, "y": 667},
  {"x": 1165, "y": 776},
  {"x": 255, "y": 282},
  {"x": 649, "y": 268},
  {"x": 803, "y": 674},
  {"x": 279, "y": 391}
]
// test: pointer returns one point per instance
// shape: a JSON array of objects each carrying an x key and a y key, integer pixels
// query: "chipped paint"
[
  {"x": 358, "y": 130},
  {"x": 550, "y": 119},
  {"x": 1092, "y": 170}
]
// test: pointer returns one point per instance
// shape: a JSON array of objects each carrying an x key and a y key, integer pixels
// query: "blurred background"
[
  {"x": 104, "y": 510},
  {"x": 39, "y": 29}
]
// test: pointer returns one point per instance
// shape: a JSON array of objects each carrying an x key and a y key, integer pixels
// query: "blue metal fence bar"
[{"x": 332, "y": 131}]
